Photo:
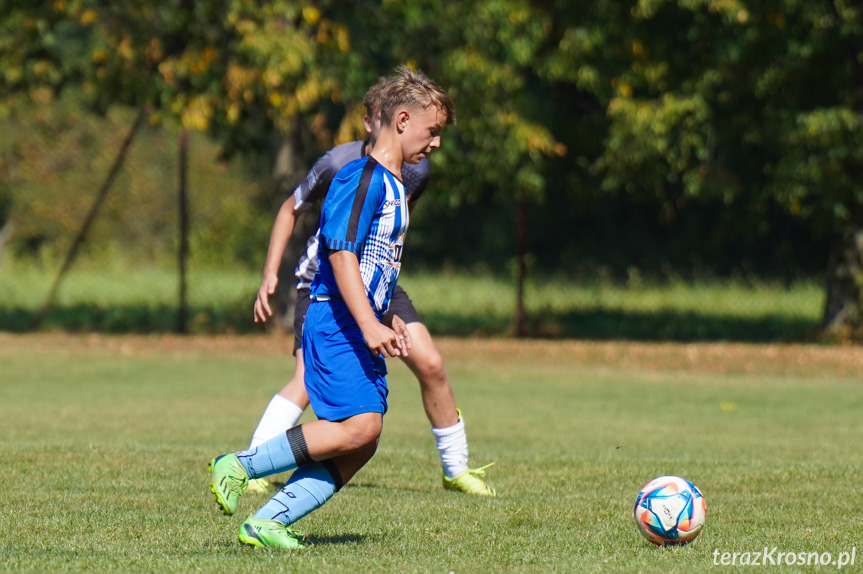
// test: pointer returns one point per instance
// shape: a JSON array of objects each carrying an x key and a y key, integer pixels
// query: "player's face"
[
  {"x": 421, "y": 132},
  {"x": 373, "y": 126}
]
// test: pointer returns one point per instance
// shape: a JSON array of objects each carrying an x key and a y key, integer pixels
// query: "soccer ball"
[{"x": 670, "y": 511}]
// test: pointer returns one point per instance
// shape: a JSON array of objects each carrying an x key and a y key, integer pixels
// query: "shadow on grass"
[
  {"x": 388, "y": 486},
  {"x": 679, "y": 326},
  {"x": 343, "y": 539},
  {"x": 142, "y": 319}
]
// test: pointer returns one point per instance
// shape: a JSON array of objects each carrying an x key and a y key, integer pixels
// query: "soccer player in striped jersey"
[
  {"x": 286, "y": 407},
  {"x": 346, "y": 339}
]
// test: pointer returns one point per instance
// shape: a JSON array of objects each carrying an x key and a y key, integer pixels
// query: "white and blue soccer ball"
[{"x": 670, "y": 511}]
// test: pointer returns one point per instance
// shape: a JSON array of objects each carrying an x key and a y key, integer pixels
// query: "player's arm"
[
  {"x": 282, "y": 229},
  {"x": 311, "y": 189},
  {"x": 380, "y": 338}
]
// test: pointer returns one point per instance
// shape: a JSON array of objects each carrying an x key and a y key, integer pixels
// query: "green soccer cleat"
[
  {"x": 228, "y": 481},
  {"x": 268, "y": 533},
  {"x": 260, "y": 486},
  {"x": 470, "y": 482}
]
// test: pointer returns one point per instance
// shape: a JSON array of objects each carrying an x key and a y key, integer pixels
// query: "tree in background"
[
  {"x": 244, "y": 70},
  {"x": 759, "y": 106},
  {"x": 666, "y": 104},
  {"x": 484, "y": 53},
  {"x": 257, "y": 76}
]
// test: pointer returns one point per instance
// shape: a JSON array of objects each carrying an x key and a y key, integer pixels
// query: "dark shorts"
[{"x": 400, "y": 305}]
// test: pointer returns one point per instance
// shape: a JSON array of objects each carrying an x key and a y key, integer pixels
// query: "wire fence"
[{"x": 109, "y": 227}]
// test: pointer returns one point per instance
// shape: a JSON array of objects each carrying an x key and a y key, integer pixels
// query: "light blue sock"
[
  {"x": 281, "y": 453},
  {"x": 308, "y": 488}
]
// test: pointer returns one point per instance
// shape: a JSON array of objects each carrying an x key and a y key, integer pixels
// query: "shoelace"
[
  {"x": 479, "y": 471},
  {"x": 236, "y": 486},
  {"x": 293, "y": 532}
]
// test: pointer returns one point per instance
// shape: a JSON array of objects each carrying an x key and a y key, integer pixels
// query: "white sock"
[
  {"x": 280, "y": 415},
  {"x": 452, "y": 447}
]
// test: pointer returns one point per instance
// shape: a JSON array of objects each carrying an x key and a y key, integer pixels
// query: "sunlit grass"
[{"x": 105, "y": 449}]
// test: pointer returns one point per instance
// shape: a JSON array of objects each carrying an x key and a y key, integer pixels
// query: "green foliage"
[
  {"x": 703, "y": 96},
  {"x": 235, "y": 69},
  {"x": 241, "y": 69},
  {"x": 655, "y": 143},
  {"x": 57, "y": 159},
  {"x": 484, "y": 56},
  {"x": 739, "y": 120},
  {"x": 817, "y": 178},
  {"x": 756, "y": 103}
]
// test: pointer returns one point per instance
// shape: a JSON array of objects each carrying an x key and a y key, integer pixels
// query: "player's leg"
[
  {"x": 309, "y": 488},
  {"x": 447, "y": 424},
  {"x": 347, "y": 386},
  {"x": 283, "y": 412},
  {"x": 426, "y": 363},
  {"x": 301, "y": 445},
  {"x": 287, "y": 406}
]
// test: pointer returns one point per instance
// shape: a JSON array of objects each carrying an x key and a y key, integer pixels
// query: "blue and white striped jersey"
[
  {"x": 317, "y": 183},
  {"x": 365, "y": 212}
]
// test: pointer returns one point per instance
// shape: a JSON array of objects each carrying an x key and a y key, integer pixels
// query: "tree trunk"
[
  {"x": 290, "y": 167},
  {"x": 521, "y": 269},
  {"x": 842, "y": 308},
  {"x": 5, "y": 235},
  {"x": 6, "y": 223},
  {"x": 183, "y": 232}
]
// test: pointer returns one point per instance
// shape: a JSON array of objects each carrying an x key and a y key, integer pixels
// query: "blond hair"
[
  {"x": 412, "y": 89},
  {"x": 372, "y": 99}
]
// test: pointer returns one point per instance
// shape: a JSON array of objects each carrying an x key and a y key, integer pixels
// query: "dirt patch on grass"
[
  {"x": 730, "y": 358},
  {"x": 724, "y": 358}
]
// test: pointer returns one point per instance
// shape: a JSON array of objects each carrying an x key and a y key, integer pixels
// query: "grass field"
[
  {"x": 144, "y": 300},
  {"x": 105, "y": 442}
]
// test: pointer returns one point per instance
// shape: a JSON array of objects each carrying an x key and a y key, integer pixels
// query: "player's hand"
[
  {"x": 400, "y": 328},
  {"x": 262, "y": 303},
  {"x": 383, "y": 341}
]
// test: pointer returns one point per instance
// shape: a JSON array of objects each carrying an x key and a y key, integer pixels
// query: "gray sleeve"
[
  {"x": 416, "y": 177},
  {"x": 314, "y": 187},
  {"x": 317, "y": 183}
]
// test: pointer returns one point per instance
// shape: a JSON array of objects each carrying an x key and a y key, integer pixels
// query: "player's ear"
[
  {"x": 367, "y": 123},
  {"x": 402, "y": 119}
]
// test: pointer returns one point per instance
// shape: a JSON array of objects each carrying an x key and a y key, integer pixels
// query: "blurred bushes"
[{"x": 54, "y": 158}]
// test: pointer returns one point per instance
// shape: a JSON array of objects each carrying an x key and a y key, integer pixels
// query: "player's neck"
[{"x": 388, "y": 153}]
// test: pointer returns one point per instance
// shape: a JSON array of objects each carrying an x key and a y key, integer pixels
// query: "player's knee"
[
  {"x": 431, "y": 369},
  {"x": 363, "y": 433},
  {"x": 371, "y": 448},
  {"x": 359, "y": 440}
]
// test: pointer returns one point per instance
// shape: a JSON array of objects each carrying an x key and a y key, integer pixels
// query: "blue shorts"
[
  {"x": 343, "y": 376},
  {"x": 400, "y": 305}
]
